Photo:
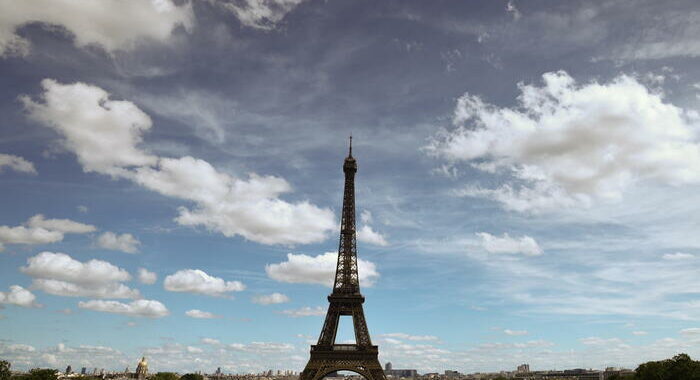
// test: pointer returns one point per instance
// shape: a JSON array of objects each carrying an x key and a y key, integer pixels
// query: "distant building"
[
  {"x": 69, "y": 370},
  {"x": 387, "y": 367},
  {"x": 523, "y": 368},
  {"x": 142, "y": 369},
  {"x": 610, "y": 372},
  {"x": 451, "y": 374},
  {"x": 411, "y": 373},
  {"x": 83, "y": 371}
]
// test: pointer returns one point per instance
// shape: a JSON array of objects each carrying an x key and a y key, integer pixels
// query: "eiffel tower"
[{"x": 327, "y": 356}]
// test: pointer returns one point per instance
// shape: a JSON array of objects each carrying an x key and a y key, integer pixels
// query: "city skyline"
[{"x": 171, "y": 179}]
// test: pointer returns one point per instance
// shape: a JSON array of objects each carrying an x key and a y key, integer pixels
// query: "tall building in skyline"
[
  {"x": 345, "y": 300},
  {"x": 142, "y": 369}
]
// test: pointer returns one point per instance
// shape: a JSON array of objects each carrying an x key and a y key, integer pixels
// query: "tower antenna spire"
[{"x": 350, "y": 154}]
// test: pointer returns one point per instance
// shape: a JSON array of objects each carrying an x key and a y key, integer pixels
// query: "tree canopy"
[
  {"x": 4, "y": 370},
  {"x": 192, "y": 376},
  {"x": 165, "y": 376},
  {"x": 39, "y": 374},
  {"x": 680, "y": 367}
]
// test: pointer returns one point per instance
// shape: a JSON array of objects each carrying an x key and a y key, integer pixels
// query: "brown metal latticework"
[{"x": 326, "y": 355}]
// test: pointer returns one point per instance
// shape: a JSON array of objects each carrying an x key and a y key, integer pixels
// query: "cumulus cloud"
[
  {"x": 65, "y": 226},
  {"x": 515, "y": 332},
  {"x": 16, "y": 163},
  {"x": 367, "y": 235},
  {"x": 39, "y": 230},
  {"x": 24, "y": 235},
  {"x": 102, "y": 133},
  {"x": 105, "y": 134},
  {"x": 300, "y": 268},
  {"x": 270, "y": 299},
  {"x": 259, "y": 14},
  {"x": 71, "y": 289},
  {"x": 195, "y": 313},
  {"x": 60, "y": 274},
  {"x": 147, "y": 277},
  {"x": 199, "y": 282},
  {"x": 137, "y": 308},
  {"x": 125, "y": 242},
  {"x": 250, "y": 208},
  {"x": 569, "y": 144},
  {"x": 211, "y": 341},
  {"x": 110, "y": 24},
  {"x": 506, "y": 244},
  {"x": 18, "y": 296}
]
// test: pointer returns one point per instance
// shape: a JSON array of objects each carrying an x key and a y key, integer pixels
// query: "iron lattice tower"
[{"x": 346, "y": 299}]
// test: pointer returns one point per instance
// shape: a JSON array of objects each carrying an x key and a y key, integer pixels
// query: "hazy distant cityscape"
[{"x": 523, "y": 371}]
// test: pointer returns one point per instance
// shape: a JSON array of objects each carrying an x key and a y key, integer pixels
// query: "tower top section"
[{"x": 350, "y": 163}]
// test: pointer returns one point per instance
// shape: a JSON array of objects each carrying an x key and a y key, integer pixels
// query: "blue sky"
[{"x": 171, "y": 181}]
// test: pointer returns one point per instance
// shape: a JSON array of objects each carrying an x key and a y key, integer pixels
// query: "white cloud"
[
  {"x": 137, "y": 308},
  {"x": 104, "y": 135},
  {"x": 211, "y": 341},
  {"x": 60, "y": 274},
  {"x": 528, "y": 344},
  {"x": 367, "y": 235},
  {"x": 515, "y": 332},
  {"x": 18, "y": 296},
  {"x": 198, "y": 282},
  {"x": 570, "y": 144},
  {"x": 125, "y": 242},
  {"x": 20, "y": 348},
  {"x": 259, "y": 14},
  {"x": 147, "y": 277},
  {"x": 60, "y": 266},
  {"x": 305, "y": 311},
  {"x": 261, "y": 347},
  {"x": 513, "y": 10},
  {"x": 366, "y": 217},
  {"x": 39, "y": 230},
  {"x": 110, "y": 24},
  {"x": 15, "y": 163},
  {"x": 270, "y": 299},
  {"x": 678, "y": 256},
  {"x": 506, "y": 244},
  {"x": 70, "y": 289},
  {"x": 24, "y": 235},
  {"x": 411, "y": 337},
  {"x": 65, "y": 226},
  {"x": 194, "y": 313},
  {"x": 250, "y": 208},
  {"x": 639, "y": 333},
  {"x": 597, "y": 341},
  {"x": 300, "y": 268},
  {"x": 690, "y": 331}
]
